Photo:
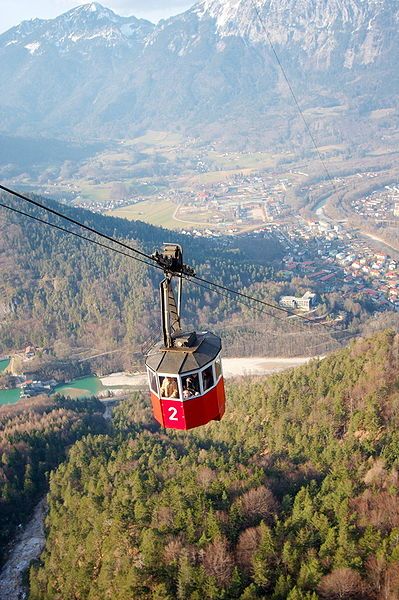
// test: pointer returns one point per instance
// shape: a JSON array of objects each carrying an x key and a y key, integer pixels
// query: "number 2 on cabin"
[{"x": 173, "y": 413}]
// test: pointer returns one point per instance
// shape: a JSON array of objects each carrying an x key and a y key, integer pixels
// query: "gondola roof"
[{"x": 195, "y": 352}]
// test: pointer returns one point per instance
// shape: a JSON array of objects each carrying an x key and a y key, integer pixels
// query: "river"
[
  {"x": 81, "y": 388},
  {"x": 4, "y": 364},
  {"x": 28, "y": 545}
]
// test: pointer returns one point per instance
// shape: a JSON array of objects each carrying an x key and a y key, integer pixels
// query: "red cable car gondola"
[{"x": 184, "y": 369}]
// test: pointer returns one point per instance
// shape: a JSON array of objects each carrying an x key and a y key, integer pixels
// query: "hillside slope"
[
  {"x": 63, "y": 292},
  {"x": 294, "y": 495}
]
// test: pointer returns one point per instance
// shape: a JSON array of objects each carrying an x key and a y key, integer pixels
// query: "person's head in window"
[
  {"x": 169, "y": 388},
  {"x": 190, "y": 386}
]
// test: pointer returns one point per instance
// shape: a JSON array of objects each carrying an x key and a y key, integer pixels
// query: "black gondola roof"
[{"x": 178, "y": 360}]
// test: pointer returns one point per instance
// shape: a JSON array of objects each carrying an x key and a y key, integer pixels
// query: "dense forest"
[
  {"x": 65, "y": 295},
  {"x": 34, "y": 438},
  {"x": 294, "y": 495}
]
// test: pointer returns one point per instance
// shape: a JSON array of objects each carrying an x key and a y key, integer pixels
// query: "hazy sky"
[{"x": 13, "y": 12}]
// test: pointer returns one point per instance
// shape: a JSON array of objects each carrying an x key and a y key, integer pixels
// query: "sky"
[{"x": 12, "y": 12}]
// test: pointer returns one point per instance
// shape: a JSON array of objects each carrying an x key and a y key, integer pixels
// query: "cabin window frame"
[
  {"x": 179, "y": 385},
  {"x": 212, "y": 365},
  {"x": 150, "y": 373},
  {"x": 218, "y": 360},
  {"x": 189, "y": 374},
  {"x": 198, "y": 372}
]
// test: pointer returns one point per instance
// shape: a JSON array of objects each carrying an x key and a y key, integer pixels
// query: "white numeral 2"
[{"x": 173, "y": 413}]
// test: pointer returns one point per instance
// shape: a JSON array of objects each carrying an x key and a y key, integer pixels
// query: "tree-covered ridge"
[
  {"x": 57, "y": 289},
  {"x": 293, "y": 495},
  {"x": 34, "y": 437}
]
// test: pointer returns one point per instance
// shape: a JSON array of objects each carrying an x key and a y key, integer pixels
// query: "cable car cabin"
[
  {"x": 186, "y": 383},
  {"x": 184, "y": 369}
]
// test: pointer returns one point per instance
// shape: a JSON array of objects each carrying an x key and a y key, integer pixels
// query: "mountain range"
[{"x": 91, "y": 73}]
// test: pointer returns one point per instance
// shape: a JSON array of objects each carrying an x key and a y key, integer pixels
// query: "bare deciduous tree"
[
  {"x": 342, "y": 584},
  {"x": 257, "y": 503},
  {"x": 248, "y": 543},
  {"x": 218, "y": 561}
]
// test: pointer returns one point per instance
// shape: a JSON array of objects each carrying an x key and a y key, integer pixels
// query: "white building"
[{"x": 307, "y": 302}]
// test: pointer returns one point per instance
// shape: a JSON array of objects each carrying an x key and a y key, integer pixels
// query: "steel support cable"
[
  {"x": 291, "y": 89},
  {"x": 287, "y": 311},
  {"x": 195, "y": 279},
  {"x": 147, "y": 256},
  {"x": 259, "y": 310},
  {"x": 78, "y": 235},
  {"x": 263, "y": 311},
  {"x": 75, "y": 222}
]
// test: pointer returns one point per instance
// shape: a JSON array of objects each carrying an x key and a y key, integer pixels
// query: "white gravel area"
[
  {"x": 255, "y": 365},
  {"x": 232, "y": 367}
]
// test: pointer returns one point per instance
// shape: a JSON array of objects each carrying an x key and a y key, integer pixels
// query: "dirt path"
[{"x": 28, "y": 546}]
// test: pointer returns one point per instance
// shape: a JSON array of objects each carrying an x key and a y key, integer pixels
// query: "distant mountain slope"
[
  {"x": 57, "y": 73},
  {"x": 94, "y": 72}
]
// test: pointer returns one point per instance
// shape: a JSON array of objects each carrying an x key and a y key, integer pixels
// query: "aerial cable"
[
  {"x": 247, "y": 297},
  {"x": 139, "y": 252},
  {"x": 78, "y": 235},
  {"x": 195, "y": 278},
  {"x": 293, "y": 94},
  {"x": 75, "y": 222}
]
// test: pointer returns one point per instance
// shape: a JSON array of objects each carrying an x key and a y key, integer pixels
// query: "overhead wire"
[
  {"x": 197, "y": 280},
  {"x": 75, "y": 222},
  {"x": 135, "y": 250},
  {"x": 293, "y": 94},
  {"x": 263, "y": 311},
  {"x": 248, "y": 297},
  {"x": 74, "y": 233}
]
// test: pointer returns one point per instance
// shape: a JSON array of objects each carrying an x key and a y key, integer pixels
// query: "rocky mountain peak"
[
  {"x": 293, "y": 19},
  {"x": 91, "y": 23}
]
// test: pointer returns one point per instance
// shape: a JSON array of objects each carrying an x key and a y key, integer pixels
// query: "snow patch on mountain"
[{"x": 33, "y": 48}]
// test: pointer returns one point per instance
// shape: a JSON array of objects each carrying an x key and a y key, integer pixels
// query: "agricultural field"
[
  {"x": 233, "y": 161},
  {"x": 156, "y": 212}
]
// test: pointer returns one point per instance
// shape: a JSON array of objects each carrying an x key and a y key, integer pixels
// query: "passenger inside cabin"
[
  {"x": 191, "y": 386},
  {"x": 169, "y": 388}
]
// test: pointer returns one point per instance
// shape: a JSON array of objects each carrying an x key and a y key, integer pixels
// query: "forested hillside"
[
  {"x": 294, "y": 495},
  {"x": 64, "y": 293},
  {"x": 34, "y": 437}
]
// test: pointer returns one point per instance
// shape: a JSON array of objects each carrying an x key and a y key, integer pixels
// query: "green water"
[
  {"x": 9, "y": 396},
  {"x": 81, "y": 388},
  {"x": 4, "y": 364}
]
